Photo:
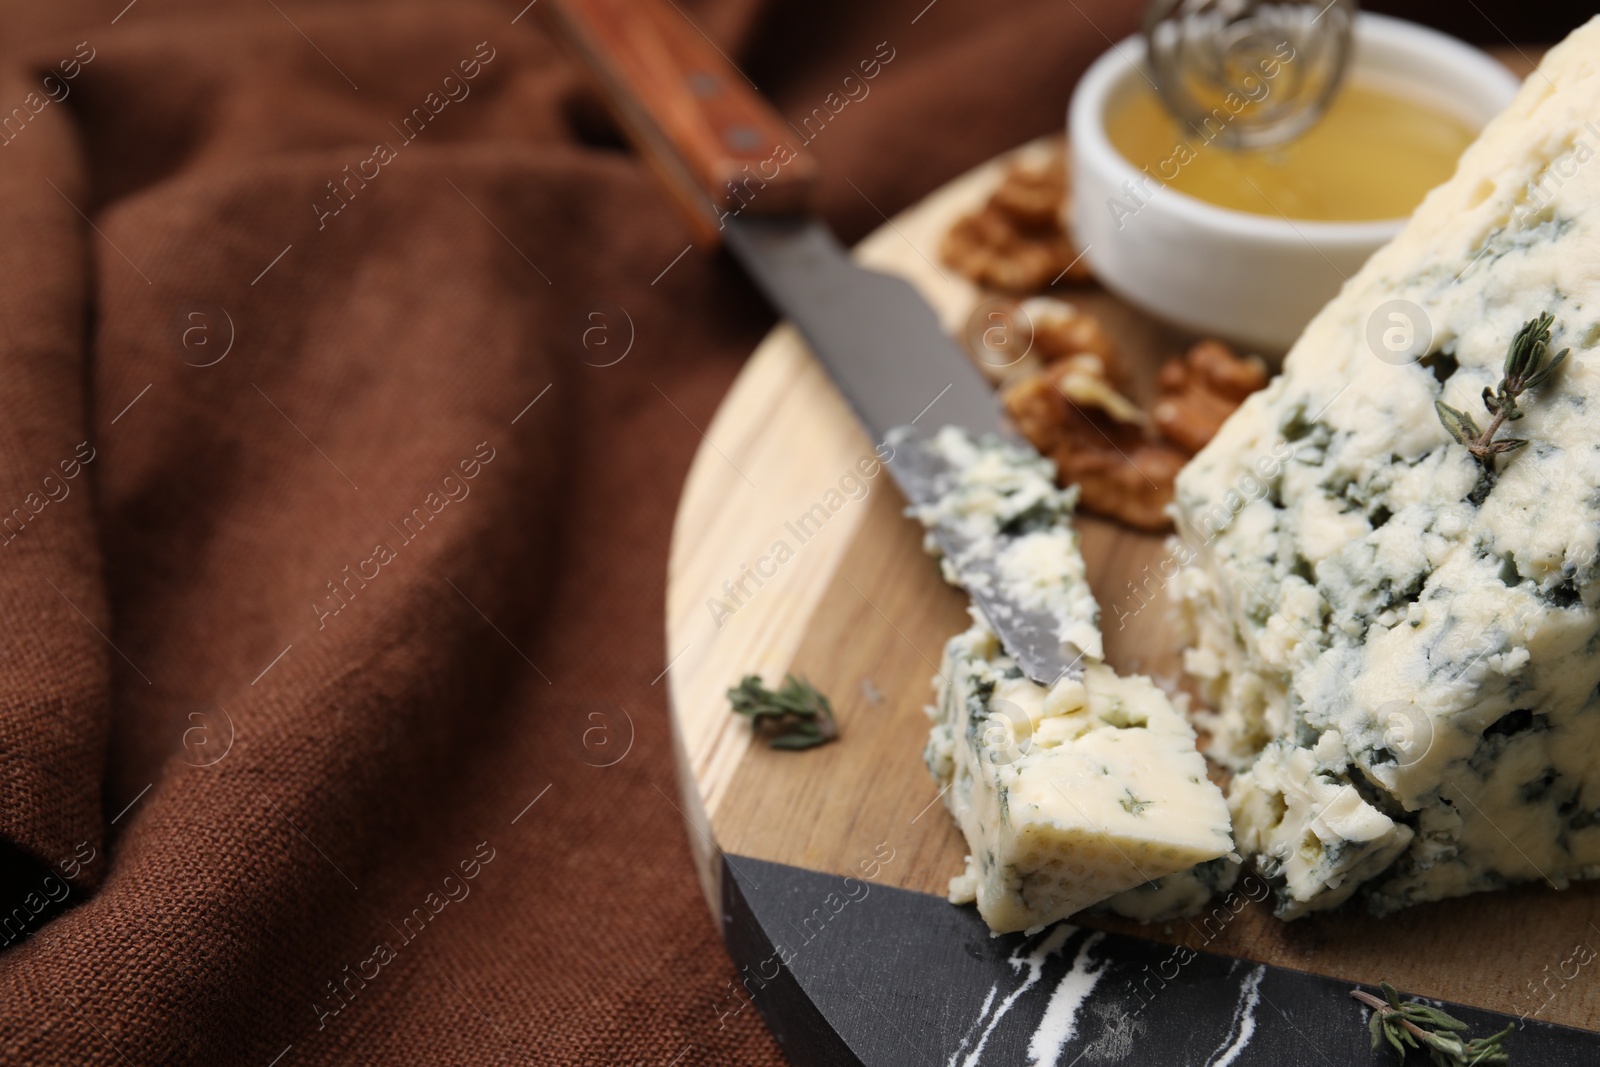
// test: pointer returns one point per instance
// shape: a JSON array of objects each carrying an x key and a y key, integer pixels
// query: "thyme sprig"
[
  {"x": 796, "y": 715},
  {"x": 1525, "y": 369},
  {"x": 1407, "y": 1026}
]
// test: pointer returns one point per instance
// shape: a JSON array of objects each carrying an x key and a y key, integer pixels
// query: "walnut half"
[
  {"x": 1016, "y": 242},
  {"x": 1200, "y": 390},
  {"x": 1122, "y": 461},
  {"x": 1098, "y": 440}
]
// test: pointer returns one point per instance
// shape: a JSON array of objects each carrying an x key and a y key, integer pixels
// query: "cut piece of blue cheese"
[
  {"x": 1089, "y": 790},
  {"x": 1179, "y": 894},
  {"x": 1403, "y": 650},
  {"x": 1070, "y": 795}
]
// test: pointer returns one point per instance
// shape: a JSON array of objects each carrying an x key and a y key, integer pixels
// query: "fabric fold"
[{"x": 55, "y": 685}]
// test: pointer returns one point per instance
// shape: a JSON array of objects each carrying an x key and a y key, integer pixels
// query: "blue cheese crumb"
[{"x": 1004, "y": 505}]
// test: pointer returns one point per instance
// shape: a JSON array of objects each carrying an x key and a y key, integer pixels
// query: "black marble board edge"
[{"x": 848, "y": 973}]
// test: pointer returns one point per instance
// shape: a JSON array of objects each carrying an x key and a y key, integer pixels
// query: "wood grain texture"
[{"x": 860, "y": 610}]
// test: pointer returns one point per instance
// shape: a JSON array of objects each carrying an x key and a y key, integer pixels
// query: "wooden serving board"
[{"x": 850, "y": 601}]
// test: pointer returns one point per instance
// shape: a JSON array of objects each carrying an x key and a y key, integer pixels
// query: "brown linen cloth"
[{"x": 328, "y": 542}]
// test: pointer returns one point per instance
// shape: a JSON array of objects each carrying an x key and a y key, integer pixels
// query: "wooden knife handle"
[{"x": 713, "y": 141}]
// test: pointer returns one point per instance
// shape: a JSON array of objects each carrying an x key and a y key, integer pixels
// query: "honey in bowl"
[{"x": 1373, "y": 155}]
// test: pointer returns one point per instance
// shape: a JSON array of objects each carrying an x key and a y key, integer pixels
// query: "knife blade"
[
  {"x": 714, "y": 143},
  {"x": 904, "y": 378},
  {"x": 880, "y": 342}
]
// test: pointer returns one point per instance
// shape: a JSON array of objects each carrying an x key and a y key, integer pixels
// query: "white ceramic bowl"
[{"x": 1252, "y": 279}]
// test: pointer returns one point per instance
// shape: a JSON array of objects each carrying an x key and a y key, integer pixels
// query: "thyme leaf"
[
  {"x": 1406, "y": 1026},
  {"x": 794, "y": 716},
  {"x": 1525, "y": 368}
]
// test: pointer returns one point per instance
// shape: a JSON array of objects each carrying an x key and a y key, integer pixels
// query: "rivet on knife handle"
[{"x": 716, "y": 145}]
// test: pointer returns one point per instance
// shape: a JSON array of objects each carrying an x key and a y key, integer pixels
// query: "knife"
[{"x": 725, "y": 156}]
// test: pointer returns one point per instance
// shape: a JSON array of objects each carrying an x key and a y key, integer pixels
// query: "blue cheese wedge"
[
  {"x": 1074, "y": 794},
  {"x": 1403, "y": 650}
]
